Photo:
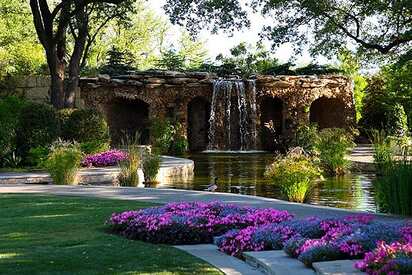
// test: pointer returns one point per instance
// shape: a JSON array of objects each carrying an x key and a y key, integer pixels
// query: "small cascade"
[{"x": 233, "y": 128}]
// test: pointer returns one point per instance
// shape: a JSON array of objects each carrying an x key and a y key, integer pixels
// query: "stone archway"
[
  {"x": 271, "y": 110},
  {"x": 198, "y": 112},
  {"x": 328, "y": 113},
  {"x": 126, "y": 117}
]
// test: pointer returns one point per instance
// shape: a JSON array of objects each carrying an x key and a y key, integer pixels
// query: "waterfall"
[{"x": 223, "y": 121}]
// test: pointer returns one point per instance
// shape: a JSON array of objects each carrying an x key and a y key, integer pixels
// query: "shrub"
[
  {"x": 332, "y": 146},
  {"x": 37, "y": 156},
  {"x": 150, "y": 166},
  {"x": 38, "y": 126},
  {"x": 63, "y": 162},
  {"x": 306, "y": 137},
  {"x": 128, "y": 175},
  {"x": 104, "y": 159},
  {"x": 162, "y": 132},
  {"x": 10, "y": 108},
  {"x": 394, "y": 188},
  {"x": 295, "y": 175},
  {"x": 168, "y": 138},
  {"x": 190, "y": 222},
  {"x": 87, "y": 127},
  {"x": 394, "y": 258},
  {"x": 383, "y": 150}
]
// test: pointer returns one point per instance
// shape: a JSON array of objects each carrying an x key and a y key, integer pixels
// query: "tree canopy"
[{"x": 379, "y": 28}]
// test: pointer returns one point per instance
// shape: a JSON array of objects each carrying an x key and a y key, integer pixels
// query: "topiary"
[
  {"x": 87, "y": 127},
  {"x": 38, "y": 126}
]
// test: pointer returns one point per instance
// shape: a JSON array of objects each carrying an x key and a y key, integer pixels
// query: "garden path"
[{"x": 171, "y": 195}]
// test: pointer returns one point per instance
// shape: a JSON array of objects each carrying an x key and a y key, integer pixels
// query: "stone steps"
[{"x": 277, "y": 262}]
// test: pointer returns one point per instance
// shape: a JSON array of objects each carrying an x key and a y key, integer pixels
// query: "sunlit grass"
[{"x": 66, "y": 235}]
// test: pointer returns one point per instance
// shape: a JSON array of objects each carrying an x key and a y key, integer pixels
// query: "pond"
[{"x": 243, "y": 173}]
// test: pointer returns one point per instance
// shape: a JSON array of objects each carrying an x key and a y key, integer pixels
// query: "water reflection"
[{"x": 243, "y": 173}]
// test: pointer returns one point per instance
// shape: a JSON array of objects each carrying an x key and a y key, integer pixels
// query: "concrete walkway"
[{"x": 171, "y": 195}]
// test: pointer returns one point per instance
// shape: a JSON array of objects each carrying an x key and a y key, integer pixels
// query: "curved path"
[{"x": 170, "y": 195}]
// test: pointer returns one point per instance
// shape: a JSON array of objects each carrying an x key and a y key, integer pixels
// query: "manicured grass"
[{"x": 66, "y": 235}]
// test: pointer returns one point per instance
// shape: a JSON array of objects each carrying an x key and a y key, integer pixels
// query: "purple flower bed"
[
  {"x": 108, "y": 158},
  {"x": 388, "y": 259},
  {"x": 236, "y": 229},
  {"x": 190, "y": 223}
]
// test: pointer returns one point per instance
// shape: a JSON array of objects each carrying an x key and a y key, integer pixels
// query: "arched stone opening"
[
  {"x": 126, "y": 117},
  {"x": 271, "y": 111},
  {"x": 198, "y": 112},
  {"x": 327, "y": 113}
]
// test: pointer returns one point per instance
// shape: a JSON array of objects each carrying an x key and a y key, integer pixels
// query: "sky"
[{"x": 223, "y": 42}]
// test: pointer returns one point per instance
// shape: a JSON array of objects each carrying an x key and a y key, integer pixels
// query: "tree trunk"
[{"x": 57, "y": 70}]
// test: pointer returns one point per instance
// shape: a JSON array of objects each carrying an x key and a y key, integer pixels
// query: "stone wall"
[
  {"x": 174, "y": 94},
  {"x": 34, "y": 88}
]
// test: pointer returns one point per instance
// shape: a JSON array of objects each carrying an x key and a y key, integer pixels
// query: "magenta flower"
[{"x": 108, "y": 158}]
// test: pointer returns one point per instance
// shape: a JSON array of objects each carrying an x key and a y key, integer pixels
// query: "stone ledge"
[
  {"x": 170, "y": 167},
  {"x": 343, "y": 267},
  {"x": 276, "y": 262}
]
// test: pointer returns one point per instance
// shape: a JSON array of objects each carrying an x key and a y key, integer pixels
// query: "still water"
[{"x": 243, "y": 173}]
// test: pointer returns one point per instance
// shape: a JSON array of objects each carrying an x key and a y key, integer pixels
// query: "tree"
[
  {"x": 20, "y": 53},
  {"x": 53, "y": 23},
  {"x": 383, "y": 27}
]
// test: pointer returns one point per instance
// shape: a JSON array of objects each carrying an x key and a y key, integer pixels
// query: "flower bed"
[
  {"x": 108, "y": 158},
  {"x": 190, "y": 223},
  {"x": 236, "y": 229}
]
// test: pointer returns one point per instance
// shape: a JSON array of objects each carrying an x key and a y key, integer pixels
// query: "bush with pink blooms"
[
  {"x": 104, "y": 159},
  {"x": 190, "y": 222},
  {"x": 388, "y": 259}
]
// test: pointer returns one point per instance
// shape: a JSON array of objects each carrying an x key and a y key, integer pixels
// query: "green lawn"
[{"x": 65, "y": 235}]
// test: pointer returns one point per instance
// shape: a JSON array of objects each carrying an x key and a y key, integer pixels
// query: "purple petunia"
[{"x": 108, "y": 158}]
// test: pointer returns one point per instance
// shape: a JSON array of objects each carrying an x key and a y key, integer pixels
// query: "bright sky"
[{"x": 222, "y": 42}]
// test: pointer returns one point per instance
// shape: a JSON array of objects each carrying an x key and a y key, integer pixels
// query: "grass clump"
[
  {"x": 63, "y": 162},
  {"x": 128, "y": 175},
  {"x": 295, "y": 174},
  {"x": 150, "y": 166},
  {"x": 332, "y": 147}
]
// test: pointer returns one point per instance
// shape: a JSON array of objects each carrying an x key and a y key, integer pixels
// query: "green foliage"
[
  {"x": 306, "y": 137},
  {"x": 382, "y": 109},
  {"x": 171, "y": 60},
  {"x": 20, "y": 52},
  {"x": 63, "y": 162},
  {"x": 383, "y": 150},
  {"x": 128, "y": 175},
  {"x": 38, "y": 126},
  {"x": 87, "y": 127},
  {"x": 150, "y": 166},
  {"x": 294, "y": 174},
  {"x": 37, "y": 156},
  {"x": 324, "y": 26},
  {"x": 167, "y": 137},
  {"x": 349, "y": 65},
  {"x": 332, "y": 146},
  {"x": 394, "y": 189},
  {"x": 162, "y": 132},
  {"x": 10, "y": 108},
  {"x": 118, "y": 62}
]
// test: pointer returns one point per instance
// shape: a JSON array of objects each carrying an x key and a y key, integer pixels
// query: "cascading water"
[{"x": 223, "y": 120}]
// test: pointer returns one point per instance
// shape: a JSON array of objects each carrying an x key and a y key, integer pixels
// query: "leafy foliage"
[
  {"x": 167, "y": 137},
  {"x": 87, "y": 127},
  {"x": 294, "y": 174},
  {"x": 330, "y": 24},
  {"x": 38, "y": 126},
  {"x": 10, "y": 108},
  {"x": 118, "y": 62},
  {"x": 332, "y": 146},
  {"x": 63, "y": 162},
  {"x": 150, "y": 166}
]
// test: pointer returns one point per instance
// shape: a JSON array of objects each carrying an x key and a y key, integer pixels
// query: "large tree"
[
  {"x": 59, "y": 22},
  {"x": 380, "y": 27}
]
